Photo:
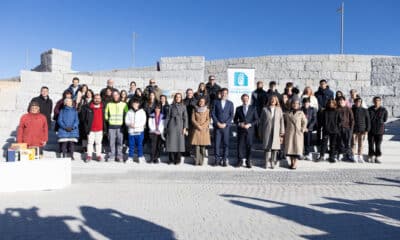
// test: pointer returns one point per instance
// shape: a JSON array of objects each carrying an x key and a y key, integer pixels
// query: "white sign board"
[{"x": 240, "y": 81}]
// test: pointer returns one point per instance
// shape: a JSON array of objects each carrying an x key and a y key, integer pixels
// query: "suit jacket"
[
  {"x": 251, "y": 117},
  {"x": 222, "y": 115}
]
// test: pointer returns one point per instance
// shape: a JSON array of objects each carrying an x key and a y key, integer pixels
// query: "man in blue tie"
[{"x": 222, "y": 115}]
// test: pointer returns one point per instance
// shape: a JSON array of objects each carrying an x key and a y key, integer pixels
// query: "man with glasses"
[{"x": 152, "y": 87}]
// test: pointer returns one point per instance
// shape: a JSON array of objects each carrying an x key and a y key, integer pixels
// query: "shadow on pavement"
[
  {"x": 395, "y": 181},
  {"x": 393, "y": 128},
  {"x": 26, "y": 223},
  {"x": 353, "y": 224}
]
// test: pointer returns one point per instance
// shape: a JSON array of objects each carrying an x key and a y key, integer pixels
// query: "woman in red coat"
[{"x": 32, "y": 128}]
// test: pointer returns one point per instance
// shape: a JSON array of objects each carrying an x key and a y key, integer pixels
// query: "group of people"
[{"x": 283, "y": 122}]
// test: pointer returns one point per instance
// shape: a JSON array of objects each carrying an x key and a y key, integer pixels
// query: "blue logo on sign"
[{"x": 241, "y": 79}]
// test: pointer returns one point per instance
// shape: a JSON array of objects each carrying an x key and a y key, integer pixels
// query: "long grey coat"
[
  {"x": 270, "y": 129},
  {"x": 175, "y": 122},
  {"x": 296, "y": 125}
]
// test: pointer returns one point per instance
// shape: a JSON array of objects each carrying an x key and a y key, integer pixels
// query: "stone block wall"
[
  {"x": 55, "y": 60},
  {"x": 370, "y": 75}
]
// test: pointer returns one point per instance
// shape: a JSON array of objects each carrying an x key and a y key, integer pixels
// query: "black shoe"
[
  {"x": 332, "y": 159},
  {"x": 216, "y": 163},
  {"x": 224, "y": 164},
  {"x": 248, "y": 164},
  {"x": 239, "y": 164}
]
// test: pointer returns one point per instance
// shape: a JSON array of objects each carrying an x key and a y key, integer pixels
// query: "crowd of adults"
[{"x": 290, "y": 125}]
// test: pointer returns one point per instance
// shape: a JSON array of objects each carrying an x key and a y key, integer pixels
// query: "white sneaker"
[
  {"x": 360, "y": 159},
  {"x": 243, "y": 162},
  {"x": 130, "y": 159},
  {"x": 182, "y": 161},
  {"x": 308, "y": 157},
  {"x": 142, "y": 160},
  {"x": 378, "y": 160},
  {"x": 370, "y": 159},
  {"x": 340, "y": 157}
]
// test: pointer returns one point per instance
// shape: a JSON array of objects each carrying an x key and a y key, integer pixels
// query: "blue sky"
[{"x": 99, "y": 32}]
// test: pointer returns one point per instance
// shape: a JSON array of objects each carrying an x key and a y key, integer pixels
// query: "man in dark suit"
[
  {"x": 222, "y": 115},
  {"x": 246, "y": 118}
]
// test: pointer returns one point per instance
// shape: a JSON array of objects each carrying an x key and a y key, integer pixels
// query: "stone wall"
[
  {"x": 371, "y": 75},
  {"x": 55, "y": 60}
]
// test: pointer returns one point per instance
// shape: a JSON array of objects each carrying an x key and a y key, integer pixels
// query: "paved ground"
[{"x": 130, "y": 201}]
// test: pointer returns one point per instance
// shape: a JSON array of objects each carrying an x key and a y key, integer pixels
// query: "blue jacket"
[
  {"x": 323, "y": 95},
  {"x": 68, "y": 118},
  {"x": 311, "y": 115},
  {"x": 74, "y": 94},
  {"x": 222, "y": 115}
]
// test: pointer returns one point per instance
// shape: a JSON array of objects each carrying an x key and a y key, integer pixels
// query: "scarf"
[{"x": 201, "y": 109}]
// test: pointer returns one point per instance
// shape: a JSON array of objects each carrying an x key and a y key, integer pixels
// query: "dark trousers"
[
  {"x": 319, "y": 130},
  {"x": 308, "y": 146},
  {"x": 344, "y": 141},
  {"x": 175, "y": 157},
  {"x": 188, "y": 145},
  {"x": 68, "y": 145},
  {"x": 245, "y": 140},
  {"x": 332, "y": 138},
  {"x": 221, "y": 136},
  {"x": 155, "y": 146},
  {"x": 374, "y": 144}
]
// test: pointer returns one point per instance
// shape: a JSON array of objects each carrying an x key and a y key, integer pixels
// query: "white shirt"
[
  {"x": 272, "y": 112},
  {"x": 223, "y": 103},
  {"x": 245, "y": 109}
]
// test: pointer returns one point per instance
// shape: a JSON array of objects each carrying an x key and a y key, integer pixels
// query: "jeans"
[
  {"x": 136, "y": 141},
  {"x": 308, "y": 147}
]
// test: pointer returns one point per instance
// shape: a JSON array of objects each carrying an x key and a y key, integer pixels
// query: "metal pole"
[{"x": 342, "y": 29}]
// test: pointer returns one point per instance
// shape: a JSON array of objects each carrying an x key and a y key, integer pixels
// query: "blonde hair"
[{"x": 305, "y": 91}]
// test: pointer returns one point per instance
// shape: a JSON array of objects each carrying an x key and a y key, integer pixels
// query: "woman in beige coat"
[
  {"x": 271, "y": 130},
  {"x": 295, "y": 126},
  {"x": 200, "y": 132}
]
